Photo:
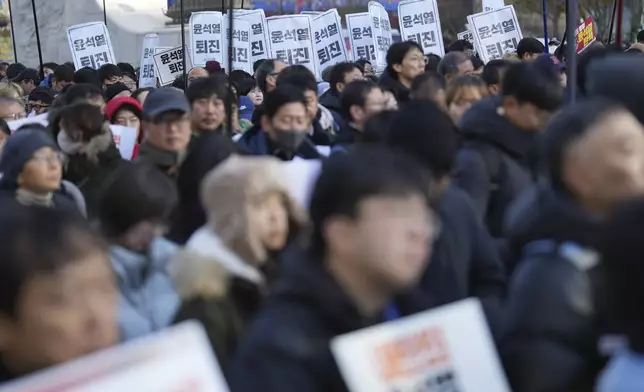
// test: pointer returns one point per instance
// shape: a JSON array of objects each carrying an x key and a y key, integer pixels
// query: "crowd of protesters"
[{"x": 441, "y": 179}]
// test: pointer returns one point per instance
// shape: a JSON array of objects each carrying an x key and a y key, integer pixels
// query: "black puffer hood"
[
  {"x": 483, "y": 122},
  {"x": 330, "y": 101}
]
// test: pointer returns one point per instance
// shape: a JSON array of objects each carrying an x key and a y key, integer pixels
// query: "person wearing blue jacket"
[{"x": 136, "y": 204}]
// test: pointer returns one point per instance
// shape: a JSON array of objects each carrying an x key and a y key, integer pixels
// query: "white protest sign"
[
  {"x": 448, "y": 349},
  {"x": 466, "y": 35},
  {"x": 205, "y": 37},
  {"x": 489, "y": 5},
  {"x": 160, "y": 49},
  {"x": 125, "y": 139},
  {"x": 312, "y": 13},
  {"x": 291, "y": 40},
  {"x": 495, "y": 32},
  {"x": 241, "y": 50},
  {"x": 330, "y": 48},
  {"x": 147, "y": 76},
  {"x": 381, "y": 33},
  {"x": 178, "y": 358},
  {"x": 259, "y": 42},
  {"x": 169, "y": 65},
  {"x": 90, "y": 45},
  {"x": 361, "y": 38},
  {"x": 39, "y": 119},
  {"x": 420, "y": 22},
  {"x": 301, "y": 175}
]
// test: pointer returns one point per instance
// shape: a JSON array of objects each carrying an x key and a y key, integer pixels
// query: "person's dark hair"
[
  {"x": 460, "y": 45},
  {"x": 114, "y": 90},
  {"x": 87, "y": 75},
  {"x": 621, "y": 247},
  {"x": 530, "y": 83},
  {"x": 477, "y": 63},
  {"x": 640, "y": 37},
  {"x": 238, "y": 75},
  {"x": 70, "y": 64},
  {"x": 426, "y": 85},
  {"x": 206, "y": 88},
  {"x": 14, "y": 70},
  {"x": 256, "y": 64},
  {"x": 107, "y": 71},
  {"x": 300, "y": 78},
  {"x": 493, "y": 71},
  {"x": 179, "y": 82},
  {"x": 3, "y": 66},
  {"x": 530, "y": 45},
  {"x": 567, "y": 127},
  {"x": 213, "y": 148},
  {"x": 266, "y": 68},
  {"x": 355, "y": 94},
  {"x": 450, "y": 63},
  {"x": 39, "y": 241},
  {"x": 154, "y": 192},
  {"x": 245, "y": 86},
  {"x": 397, "y": 52},
  {"x": 140, "y": 91},
  {"x": 346, "y": 180},
  {"x": 378, "y": 126},
  {"x": 432, "y": 62},
  {"x": 338, "y": 73},
  {"x": 126, "y": 68},
  {"x": 282, "y": 95},
  {"x": 51, "y": 66},
  {"x": 4, "y": 127},
  {"x": 43, "y": 94},
  {"x": 81, "y": 92},
  {"x": 585, "y": 59},
  {"x": 424, "y": 131},
  {"x": 64, "y": 73},
  {"x": 361, "y": 64},
  {"x": 85, "y": 117}
]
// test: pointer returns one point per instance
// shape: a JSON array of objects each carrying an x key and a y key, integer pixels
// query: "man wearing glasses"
[{"x": 40, "y": 99}]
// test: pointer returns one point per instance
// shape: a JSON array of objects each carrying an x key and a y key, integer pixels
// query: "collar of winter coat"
[
  {"x": 483, "y": 122},
  {"x": 90, "y": 149},
  {"x": 390, "y": 83},
  {"x": 203, "y": 267},
  {"x": 307, "y": 281},
  {"x": 133, "y": 268},
  {"x": 256, "y": 142},
  {"x": 160, "y": 158}
]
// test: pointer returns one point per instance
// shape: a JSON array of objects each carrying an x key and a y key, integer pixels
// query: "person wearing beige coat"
[{"x": 227, "y": 266}]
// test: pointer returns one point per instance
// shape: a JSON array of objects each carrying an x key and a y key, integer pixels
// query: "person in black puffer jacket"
[{"x": 405, "y": 61}]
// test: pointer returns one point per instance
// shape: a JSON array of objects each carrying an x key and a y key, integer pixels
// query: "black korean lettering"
[
  {"x": 356, "y": 33},
  {"x": 333, "y": 29},
  {"x": 508, "y": 26},
  {"x": 174, "y": 67},
  {"x": 201, "y": 46},
  {"x": 100, "y": 40},
  {"x": 216, "y": 29},
  {"x": 207, "y": 28},
  {"x": 494, "y": 51},
  {"x": 335, "y": 49},
  {"x": 174, "y": 55},
  {"x": 320, "y": 35},
  {"x": 384, "y": 24},
  {"x": 301, "y": 56},
  {"x": 197, "y": 29},
  {"x": 257, "y": 48},
  {"x": 88, "y": 61},
  {"x": 408, "y": 22},
  {"x": 366, "y": 52},
  {"x": 484, "y": 32},
  {"x": 382, "y": 44},
  {"x": 90, "y": 42},
  {"x": 303, "y": 35},
  {"x": 429, "y": 39},
  {"x": 289, "y": 35},
  {"x": 282, "y": 55},
  {"x": 418, "y": 19},
  {"x": 367, "y": 32},
  {"x": 213, "y": 46},
  {"x": 241, "y": 55},
  {"x": 244, "y": 36},
  {"x": 101, "y": 59},
  {"x": 147, "y": 53},
  {"x": 79, "y": 45},
  {"x": 324, "y": 56},
  {"x": 509, "y": 45},
  {"x": 256, "y": 28},
  {"x": 496, "y": 28},
  {"x": 277, "y": 37},
  {"x": 429, "y": 18},
  {"x": 376, "y": 22},
  {"x": 165, "y": 58},
  {"x": 415, "y": 38}
]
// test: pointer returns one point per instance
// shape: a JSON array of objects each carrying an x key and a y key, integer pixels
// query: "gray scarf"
[{"x": 29, "y": 198}]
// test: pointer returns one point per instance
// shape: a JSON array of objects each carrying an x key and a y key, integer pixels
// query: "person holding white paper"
[{"x": 372, "y": 231}]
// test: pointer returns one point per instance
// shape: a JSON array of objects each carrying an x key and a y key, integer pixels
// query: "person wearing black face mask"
[{"x": 284, "y": 127}]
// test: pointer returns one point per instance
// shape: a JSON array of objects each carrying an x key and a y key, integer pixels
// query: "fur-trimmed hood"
[
  {"x": 91, "y": 149},
  {"x": 203, "y": 267}
]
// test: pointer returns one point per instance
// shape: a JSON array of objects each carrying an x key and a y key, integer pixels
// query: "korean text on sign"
[
  {"x": 585, "y": 34},
  {"x": 147, "y": 77},
  {"x": 495, "y": 33},
  {"x": 466, "y": 35},
  {"x": 259, "y": 44},
  {"x": 361, "y": 36},
  {"x": 241, "y": 52},
  {"x": 381, "y": 32},
  {"x": 291, "y": 40},
  {"x": 444, "y": 349},
  {"x": 90, "y": 45},
  {"x": 489, "y": 5},
  {"x": 169, "y": 65},
  {"x": 330, "y": 48},
  {"x": 419, "y": 22},
  {"x": 205, "y": 37}
]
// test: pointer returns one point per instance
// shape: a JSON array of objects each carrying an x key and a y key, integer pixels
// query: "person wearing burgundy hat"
[{"x": 126, "y": 111}]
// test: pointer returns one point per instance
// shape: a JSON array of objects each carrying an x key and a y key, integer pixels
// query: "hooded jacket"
[
  {"x": 331, "y": 101},
  {"x": 256, "y": 142},
  {"x": 147, "y": 299},
  {"x": 553, "y": 319},
  {"x": 225, "y": 271},
  {"x": 495, "y": 164}
]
